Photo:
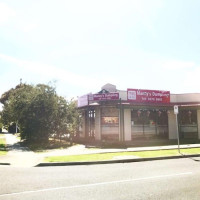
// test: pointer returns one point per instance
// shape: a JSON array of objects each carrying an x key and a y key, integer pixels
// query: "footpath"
[{"x": 18, "y": 156}]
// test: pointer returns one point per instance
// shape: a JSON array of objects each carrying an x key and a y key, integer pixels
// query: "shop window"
[
  {"x": 110, "y": 120},
  {"x": 188, "y": 124},
  {"x": 139, "y": 117},
  {"x": 149, "y": 117},
  {"x": 109, "y": 124},
  {"x": 162, "y": 118},
  {"x": 149, "y": 123},
  {"x": 188, "y": 117}
]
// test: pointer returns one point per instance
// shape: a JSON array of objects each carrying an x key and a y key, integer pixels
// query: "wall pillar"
[
  {"x": 127, "y": 124},
  {"x": 172, "y": 125},
  {"x": 198, "y": 123},
  {"x": 121, "y": 124},
  {"x": 98, "y": 123}
]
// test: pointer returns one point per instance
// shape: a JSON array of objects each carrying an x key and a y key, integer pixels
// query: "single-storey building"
[{"x": 125, "y": 115}]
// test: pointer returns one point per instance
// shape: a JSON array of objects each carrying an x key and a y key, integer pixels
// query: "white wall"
[
  {"x": 198, "y": 123},
  {"x": 172, "y": 125},
  {"x": 123, "y": 95},
  {"x": 181, "y": 98},
  {"x": 127, "y": 124},
  {"x": 97, "y": 123}
]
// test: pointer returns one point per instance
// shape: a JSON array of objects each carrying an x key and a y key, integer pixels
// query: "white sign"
[
  {"x": 175, "y": 110},
  {"x": 132, "y": 95},
  {"x": 83, "y": 100}
]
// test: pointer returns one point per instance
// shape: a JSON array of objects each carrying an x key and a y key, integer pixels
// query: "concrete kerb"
[
  {"x": 114, "y": 161},
  {"x": 110, "y": 161},
  {"x": 122, "y": 160},
  {"x": 125, "y": 160},
  {"x": 4, "y": 163}
]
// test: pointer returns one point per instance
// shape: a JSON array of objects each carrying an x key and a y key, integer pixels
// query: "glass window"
[
  {"x": 162, "y": 118},
  {"x": 149, "y": 117},
  {"x": 110, "y": 120},
  {"x": 188, "y": 117}
]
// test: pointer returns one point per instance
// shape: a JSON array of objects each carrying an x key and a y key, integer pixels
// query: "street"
[{"x": 166, "y": 179}]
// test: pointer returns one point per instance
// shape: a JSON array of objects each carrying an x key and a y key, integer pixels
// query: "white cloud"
[
  {"x": 73, "y": 17},
  {"x": 176, "y": 65},
  {"x": 29, "y": 27},
  {"x": 184, "y": 75},
  {"x": 5, "y": 13},
  {"x": 54, "y": 73},
  {"x": 192, "y": 81}
]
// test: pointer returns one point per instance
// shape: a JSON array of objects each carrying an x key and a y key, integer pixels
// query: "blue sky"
[{"x": 82, "y": 45}]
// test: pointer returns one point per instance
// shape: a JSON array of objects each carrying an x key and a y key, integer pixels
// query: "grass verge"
[
  {"x": 2, "y": 145},
  {"x": 110, "y": 156}
]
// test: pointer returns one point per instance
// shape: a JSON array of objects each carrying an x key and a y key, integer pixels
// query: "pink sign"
[
  {"x": 148, "y": 96},
  {"x": 105, "y": 96}
]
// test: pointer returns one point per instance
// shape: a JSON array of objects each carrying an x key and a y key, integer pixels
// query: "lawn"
[
  {"x": 110, "y": 156},
  {"x": 2, "y": 145}
]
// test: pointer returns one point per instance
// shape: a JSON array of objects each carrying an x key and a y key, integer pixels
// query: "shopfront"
[
  {"x": 149, "y": 123},
  {"x": 188, "y": 127},
  {"x": 127, "y": 115}
]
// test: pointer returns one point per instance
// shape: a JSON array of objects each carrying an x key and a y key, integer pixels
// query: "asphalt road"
[{"x": 166, "y": 179}]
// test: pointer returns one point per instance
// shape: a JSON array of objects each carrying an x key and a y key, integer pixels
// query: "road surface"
[{"x": 166, "y": 179}]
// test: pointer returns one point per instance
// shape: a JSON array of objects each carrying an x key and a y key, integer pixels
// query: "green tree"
[
  {"x": 1, "y": 125},
  {"x": 73, "y": 118},
  {"x": 38, "y": 111}
]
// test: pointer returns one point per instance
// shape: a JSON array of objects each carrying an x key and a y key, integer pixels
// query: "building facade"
[{"x": 126, "y": 115}]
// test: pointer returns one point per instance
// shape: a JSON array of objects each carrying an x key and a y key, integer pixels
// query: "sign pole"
[
  {"x": 177, "y": 134},
  {"x": 176, "y": 113},
  {"x": 121, "y": 121}
]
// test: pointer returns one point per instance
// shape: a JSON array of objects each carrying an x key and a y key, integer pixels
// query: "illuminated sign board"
[
  {"x": 105, "y": 96},
  {"x": 148, "y": 96}
]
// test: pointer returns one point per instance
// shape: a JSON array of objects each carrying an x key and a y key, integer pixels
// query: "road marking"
[{"x": 94, "y": 184}]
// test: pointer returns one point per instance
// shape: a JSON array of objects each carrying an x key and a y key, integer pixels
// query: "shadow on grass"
[
  {"x": 143, "y": 142},
  {"x": 2, "y": 146},
  {"x": 3, "y": 149},
  {"x": 44, "y": 146}
]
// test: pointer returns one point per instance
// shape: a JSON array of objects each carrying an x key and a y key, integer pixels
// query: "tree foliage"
[{"x": 39, "y": 111}]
